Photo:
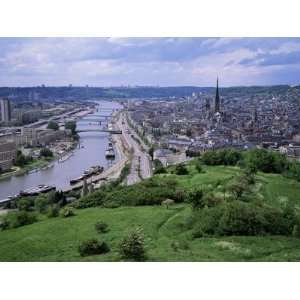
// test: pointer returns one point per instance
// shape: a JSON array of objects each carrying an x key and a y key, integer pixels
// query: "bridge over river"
[{"x": 112, "y": 131}]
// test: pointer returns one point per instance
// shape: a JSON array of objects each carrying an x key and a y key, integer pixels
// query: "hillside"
[{"x": 166, "y": 236}]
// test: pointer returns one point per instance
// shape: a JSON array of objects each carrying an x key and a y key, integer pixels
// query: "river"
[{"x": 92, "y": 153}]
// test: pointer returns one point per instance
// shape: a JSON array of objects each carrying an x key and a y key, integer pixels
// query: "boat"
[
  {"x": 66, "y": 157},
  {"x": 94, "y": 170},
  {"x": 110, "y": 153},
  {"x": 76, "y": 180},
  {"x": 33, "y": 171},
  {"x": 42, "y": 188},
  {"x": 48, "y": 167}
]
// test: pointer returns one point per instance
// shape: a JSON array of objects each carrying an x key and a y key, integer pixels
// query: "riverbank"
[
  {"x": 91, "y": 152},
  {"x": 114, "y": 171},
  {"x": 36, "y": 164}
]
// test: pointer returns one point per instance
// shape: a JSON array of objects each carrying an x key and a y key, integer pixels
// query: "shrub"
[
  {"x": 25, "y": 204},
  {"x": 132, "y": 246},
  {"x": 158, "y": 167},
  {"x": 181, "y": 170},
  {"x": 228, "y": 157},
  {"x": 46, "y": 152},
  {"x": 296, "y": 231},
  {"x": 67, "y": 212},
  {"x": 53, "y": 211},
  {"x": 206, "y": 221},
  {"x": 101, "y": 227},
  {"x": 91, "y": 200},
  {"x": 293, "y": 170},
  {"x": 198, "y": 166},
  {"x": 237, "y": 188},
  {"x": 240, "y": 218},
  {"x": 4, "y": 224},
  {"x": 93, "y": 247},
  {"x": 195, "y": 198},
  {"x": 41, "y": 204},
  {"x": 266, "y": 161},
  {"x": 18, "y": 219}
]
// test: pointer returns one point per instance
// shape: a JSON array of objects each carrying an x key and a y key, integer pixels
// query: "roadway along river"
[{"x": 93, "y": 153}]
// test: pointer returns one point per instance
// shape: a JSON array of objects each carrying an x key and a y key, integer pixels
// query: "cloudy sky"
[{"x": 149, "y": 61}]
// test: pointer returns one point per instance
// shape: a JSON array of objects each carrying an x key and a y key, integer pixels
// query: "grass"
[
  {"x": 167, "y": 239},
  {"x": 58, "y": 239}
]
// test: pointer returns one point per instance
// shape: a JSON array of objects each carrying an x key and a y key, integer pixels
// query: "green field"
[{"x": 166, "y": 238}]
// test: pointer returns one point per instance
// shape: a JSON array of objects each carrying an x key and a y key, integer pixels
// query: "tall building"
[
  {"x": 5, "y": 110},
  {"x": 217, "y": 99},
  {"x": 8, "y": 151}
]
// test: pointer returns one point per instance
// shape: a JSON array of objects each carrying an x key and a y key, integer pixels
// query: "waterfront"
[{"x": 91, "y": 152}]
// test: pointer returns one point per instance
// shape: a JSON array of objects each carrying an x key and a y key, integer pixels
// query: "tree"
[
  {"x": 22, "y": 160},
  {"x": 85, "y": 189},
  {"x": 132, "y": 246},
  {"x": 158, "y": 167},
  {"x": 266, "y": 161},
  {"x": 151, "y": 151},
  {"x": 25, "y": 204},
  {"x": 189, "y": 132},
  {"x": 46, "y": 152},
  {"x": 195, "y": 198},
  {"x": 41, "y": 204},
  {"x": 71, "y": 125},
  {"x": 53, "y": 125},
  {"x": 237, "y": 188}
]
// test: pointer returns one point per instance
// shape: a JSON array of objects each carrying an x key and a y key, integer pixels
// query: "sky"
[{"x": 149, "y": 61}]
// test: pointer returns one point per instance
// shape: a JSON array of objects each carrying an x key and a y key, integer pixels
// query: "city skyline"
[{"x": 149, "y": 61}]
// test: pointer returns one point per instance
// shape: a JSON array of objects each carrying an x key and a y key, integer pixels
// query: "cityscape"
[{"x": 154, "y": 171}]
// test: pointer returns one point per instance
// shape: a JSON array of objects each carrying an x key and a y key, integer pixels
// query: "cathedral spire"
[{"x": 217, "y": 99}]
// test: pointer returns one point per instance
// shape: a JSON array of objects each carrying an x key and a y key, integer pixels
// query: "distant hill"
[{"x": 69, "y": 93}]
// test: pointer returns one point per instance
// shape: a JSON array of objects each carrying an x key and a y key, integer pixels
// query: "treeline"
[{"x": 255, "y": 160}]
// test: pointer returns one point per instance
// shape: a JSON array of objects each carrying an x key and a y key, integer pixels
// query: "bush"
[
  {"x": 266, "y": 161},
  {"x": 101, "y": 227},
  {"x": 132, "y": 246},
  {"x": 53, "y": 211},
  {"x": 198, "y": 166},
  {"x": 206, "y": 221},
  {"x": 41, "y": 204},
  {"x": 18, "y": 219},
  {"x": 293, "y": 171},
  {"x": 296, "y": 231},
  {"x": 25, "y": 204},
  {"x": 91, "y": 200},
  {"x": 181, "y": 170},
  {"x": 53, "y": 125},
  {"x": 93, "y": 247},
  {"x": 195, "y": 198},
  {"x": 46, "y": 152},
  {"x": 158, "y": 167},
  {"x": 242, "y": 218},
  {"x": 229, "y": 157},
  {"x": 67, "y": 212}
]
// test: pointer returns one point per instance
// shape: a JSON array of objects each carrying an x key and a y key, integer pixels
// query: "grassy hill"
[{"x": 167, "y": 239}]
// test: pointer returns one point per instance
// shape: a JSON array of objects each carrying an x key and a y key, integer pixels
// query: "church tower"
[{"x": 217, "y": 99}]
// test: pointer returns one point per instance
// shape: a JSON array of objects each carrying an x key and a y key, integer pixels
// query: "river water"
[{"x": 92, "y": 153}]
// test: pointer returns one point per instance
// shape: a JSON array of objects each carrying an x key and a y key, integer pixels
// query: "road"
[{"x": 140, "y": 163}]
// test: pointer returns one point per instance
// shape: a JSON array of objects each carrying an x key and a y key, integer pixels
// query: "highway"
[{"x": 140, "y": 163}]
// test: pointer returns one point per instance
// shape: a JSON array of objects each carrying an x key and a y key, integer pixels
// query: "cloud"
[{"x": 150, "y": 61}]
